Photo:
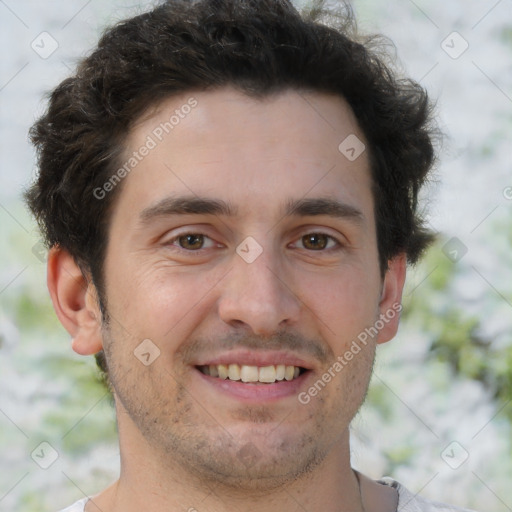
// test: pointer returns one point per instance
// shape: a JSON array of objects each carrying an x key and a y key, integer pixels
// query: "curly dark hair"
[{"x": 260, "y": 47}]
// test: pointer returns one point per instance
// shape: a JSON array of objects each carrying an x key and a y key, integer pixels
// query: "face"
[{"x": 242, "y": 245}]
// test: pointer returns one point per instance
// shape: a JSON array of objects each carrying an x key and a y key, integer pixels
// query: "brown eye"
[
  {"x": 191, "y": 241},
  {"x": 315, "y": 241}
]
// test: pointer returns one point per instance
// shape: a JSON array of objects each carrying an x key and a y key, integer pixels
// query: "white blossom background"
[{"x": 441, "y": 432}]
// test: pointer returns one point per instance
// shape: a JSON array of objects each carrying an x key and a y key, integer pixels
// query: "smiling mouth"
[{"x": 252, "y": 374}]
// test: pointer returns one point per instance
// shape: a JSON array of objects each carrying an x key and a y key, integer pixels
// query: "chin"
[
  {"x": 254, "y": 462},
  {"x": 258, "y": 476}
]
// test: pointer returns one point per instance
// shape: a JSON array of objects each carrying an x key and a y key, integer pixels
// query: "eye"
[
  {"x": 192, "y": 241},
  {"x": 318, "y": 241}
]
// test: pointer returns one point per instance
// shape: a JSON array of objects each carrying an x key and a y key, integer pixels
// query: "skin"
[{"x": 183, "y": 440}]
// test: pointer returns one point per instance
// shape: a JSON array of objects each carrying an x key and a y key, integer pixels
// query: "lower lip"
[{"x": 253, "y": 392}]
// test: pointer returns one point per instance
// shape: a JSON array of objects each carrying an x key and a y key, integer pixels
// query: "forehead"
[{"x": 250, "y": 151}]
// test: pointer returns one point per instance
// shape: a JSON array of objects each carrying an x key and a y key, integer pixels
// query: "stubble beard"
[{"x": 253, "y": 457}]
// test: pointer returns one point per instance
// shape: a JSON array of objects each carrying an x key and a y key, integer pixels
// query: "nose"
[{"x": 258, "y": 296}]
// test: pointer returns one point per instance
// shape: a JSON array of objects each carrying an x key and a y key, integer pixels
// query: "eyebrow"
[
  {"x": 193, "y": 205},
  {"x": 323, "y": 206},
  {"x": 187, "y": 205}
]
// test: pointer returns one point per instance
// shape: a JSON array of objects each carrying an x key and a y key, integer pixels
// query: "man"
[{"x": 229, "y": 192}]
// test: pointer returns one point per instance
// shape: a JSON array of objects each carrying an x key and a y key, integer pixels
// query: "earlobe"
[
  {"x": 75, "y": 302},
  {"x": 390, "y": 304}
]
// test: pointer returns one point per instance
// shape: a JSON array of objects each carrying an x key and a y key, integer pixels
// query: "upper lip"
[{"x": 256, "y": 358}]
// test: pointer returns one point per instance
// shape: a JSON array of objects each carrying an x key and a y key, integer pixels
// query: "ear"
[
  {"x": 75, "y": 301},
  {"x": 390, "y": 304}
]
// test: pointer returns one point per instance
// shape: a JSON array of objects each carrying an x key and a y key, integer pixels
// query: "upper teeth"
[{"x": 267, "y": 374}]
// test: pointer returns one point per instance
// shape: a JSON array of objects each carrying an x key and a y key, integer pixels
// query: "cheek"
[
  {"x": 160, "y": 303},
  {"x": 345, "y": 303}
]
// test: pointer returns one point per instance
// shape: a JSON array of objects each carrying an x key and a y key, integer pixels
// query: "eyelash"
[{"x": 174, "y": 243}]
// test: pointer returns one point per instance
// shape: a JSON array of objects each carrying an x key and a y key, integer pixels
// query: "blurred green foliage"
[{"x": 457, "y": 336}]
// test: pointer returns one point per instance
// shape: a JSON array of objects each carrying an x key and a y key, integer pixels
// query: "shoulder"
[
  {"x": 410, "y": 502},
  {"x": 79, "y": 506}
]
